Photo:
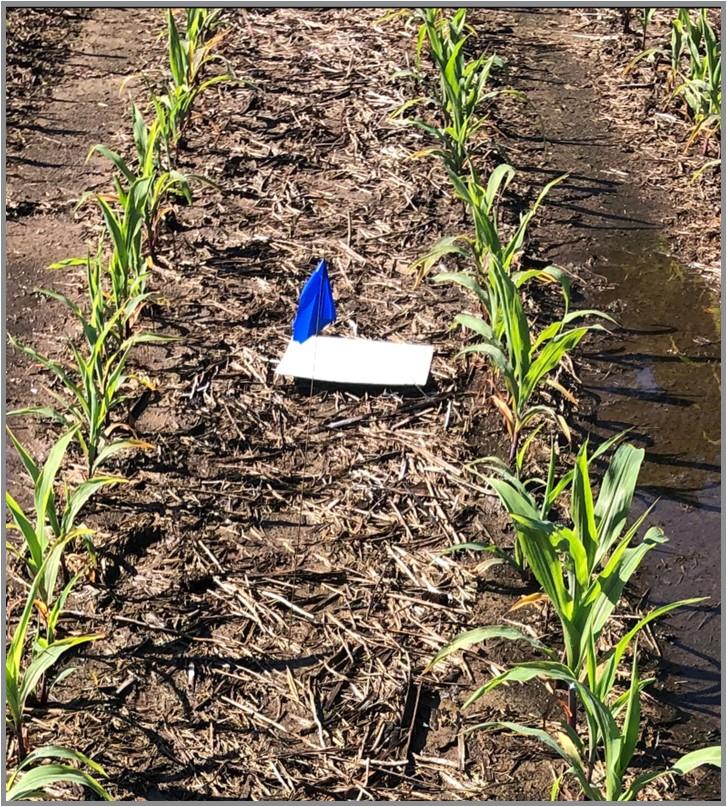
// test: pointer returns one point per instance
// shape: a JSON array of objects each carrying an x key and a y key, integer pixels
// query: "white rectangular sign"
[{"x": 357, "y": 361}]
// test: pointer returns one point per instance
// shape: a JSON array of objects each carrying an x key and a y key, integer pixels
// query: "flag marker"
[{"x": 346, "y": 361}]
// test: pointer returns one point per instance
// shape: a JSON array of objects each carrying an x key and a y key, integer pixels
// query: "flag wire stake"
[{"x": 307, "y": 428}]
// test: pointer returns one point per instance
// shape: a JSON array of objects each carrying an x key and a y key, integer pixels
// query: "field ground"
[{"x": 269, "y": 584}]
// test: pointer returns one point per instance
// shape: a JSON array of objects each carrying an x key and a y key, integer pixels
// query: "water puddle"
[{"x": 660, "y": 376}]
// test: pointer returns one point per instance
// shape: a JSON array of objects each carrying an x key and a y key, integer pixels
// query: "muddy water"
[{"x": 659, "y": 374}]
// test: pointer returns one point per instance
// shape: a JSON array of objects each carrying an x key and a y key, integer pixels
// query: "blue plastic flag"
[{"x": 316, "y": 308}]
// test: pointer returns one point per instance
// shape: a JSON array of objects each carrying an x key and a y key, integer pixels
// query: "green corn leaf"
[
  {"x": 608, "y": 668},
  {"x": 32, "y": 785},
  {"x": 45, "y": 506},
  {"x": 498, "y": 181},
  {"x": 14, "y": 655},
  {"x": 141, "y": 136},
  {"x": 47, "y": 658},
  {"x": 28, "y": 462},
  {"x": 535, "y": 540},
  {"x": 516, "y": 242},
  {"x": 631, "y": 725},
  {"x": 573, "y": 548},
  {"x": 45, "y": 412},
  {"x": 110, "y": 449},
  {"x": 36, "y": 542},
  {"x": 58, "y": 606},
  {"x": 524, "y": 448},
  {"x": 616, "y": 495},
  {"x": 471, "y": 637},
  {"x": 177, "y": 58},
  {"x": 80, "y": 495},
  {"x": 612, "y": 581},
  {"x": 495, "y": 354},
  {"x": 66, "y": 262},
  {"x": 463, "y": 279},
  {"x": 514, "y": 498},
  {"x": 116, "y": 159},
  {"x": 550, "y": 356},
  {"x": 582, "y": 509},
  {"x": 58, "y": 752},
  {"x": 49, "y": 364},
  {"x": 685, "y": 764},
  {"x": 113, "y": 225}
]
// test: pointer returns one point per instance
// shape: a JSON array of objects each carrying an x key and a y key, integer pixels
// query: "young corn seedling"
[
  {"x": 128, "y": 266},
  {"x": 93, "y": 387},
  {"x": 189, "y": 56},
  {"x": 602, "y": 764},
  {"x": 31, "y": 780},
  {"x": 582, "y": 567},
  {"x": 21, "y": 679},
  {"x": 54, "y": 518},
  {"x": 695, "y": 73},
  {"x": 188, "y": 59},
  {"x": 163, "y": 184},
  {"x": 523, "y": 359},
  {"x": 488, "y": 243},
  {"x": 462, "y": 86},
  {"x": 701, "y": 83}
]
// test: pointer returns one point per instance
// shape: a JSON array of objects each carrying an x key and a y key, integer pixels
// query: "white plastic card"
[{"x": 357, "y": 361}]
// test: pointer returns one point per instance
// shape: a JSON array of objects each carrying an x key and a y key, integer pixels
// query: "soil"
[{"x": 271, "y": 583}]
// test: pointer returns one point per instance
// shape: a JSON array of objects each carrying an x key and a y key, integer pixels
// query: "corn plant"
[
  {"x": 524, "y": 359},
  {"x": 54, "y": 518},
  {"x": 462, "y": 87},
  {"x": 188, "y": 58},
  {"x": 101, "y": 304},
  {"x": 583, "y": 570},
  {"x": 190, "y": 55},
  {"x": 695, "y": 71},
  {"x": 128, "y": 266},
  {"x": 602, "y": 763},
  {"x": 701, "y": 83},
  {"x": 93, "y": 387},
  {"x": 164, "y": 184},
  {"x": 488, "y": 243},
  {"x": 22, "y": 679},
  {"x": 107, "y": 300},
  {"x": 30, "y": 780},
  {"x": 584, "y": 567}
]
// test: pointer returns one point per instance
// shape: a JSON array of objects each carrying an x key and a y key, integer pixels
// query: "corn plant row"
[
  {"x": 583, "y": 560},
  {"x": 94, "y": 385},
  {"x": 694, "y": 73}
]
